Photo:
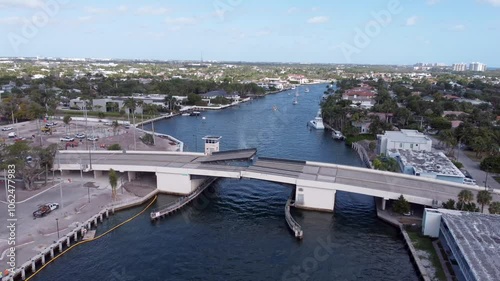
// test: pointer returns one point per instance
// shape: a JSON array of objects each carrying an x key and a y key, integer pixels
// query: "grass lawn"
[
  {"x": 423, "y": 243},
  {"x": 472, "y": 156},
  {"x": 497, "y": 178}
]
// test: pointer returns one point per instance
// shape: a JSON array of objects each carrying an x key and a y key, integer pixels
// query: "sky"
[{"x": 311, "y": 31}]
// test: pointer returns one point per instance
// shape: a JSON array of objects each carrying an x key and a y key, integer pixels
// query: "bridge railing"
[{"x": 292, "y": 223}]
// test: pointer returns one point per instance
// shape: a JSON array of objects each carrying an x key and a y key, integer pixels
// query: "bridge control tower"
[{"x": 211, "y": 144}]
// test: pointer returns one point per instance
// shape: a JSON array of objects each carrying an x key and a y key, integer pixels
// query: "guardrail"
[
  {"x": 181, "y": 202},
  {"x": 294, "y": 225}
]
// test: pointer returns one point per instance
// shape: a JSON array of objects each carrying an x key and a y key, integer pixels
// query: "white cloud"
[
  {"x": 318, "y": 20},
  {"x": 432, "y": 2},
  {"x": 293, "y": 10},
  {"x": 85, "y": 18},
  {"x": 411, "y": 20},
  {"x": 152, "y": 11},
  {"x": 492, "y": 2},
  {"x": 94, "y": 10},
  {"x": 315, "y": 9},
  {"x": 32, "y": 4},
  {"x": 12, "y": 21},
  {"x": 122, "y": 8},
  {"x": 263, "y": 33},
  {"x": 458, "y": 27},
  {"x": 181, "y": 21}
]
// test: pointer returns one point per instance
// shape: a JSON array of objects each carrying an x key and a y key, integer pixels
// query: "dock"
[
  {"x": 89, "y": 235},
  {"x": 294, "y": 225},
  {"x": 181, "y": 202}
]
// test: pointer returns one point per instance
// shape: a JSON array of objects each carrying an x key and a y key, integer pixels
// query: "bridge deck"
[{"x": 350, "y": 179}]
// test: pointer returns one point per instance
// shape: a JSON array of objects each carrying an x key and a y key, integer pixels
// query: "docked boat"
[
  {"x": 186, "y": 114},
  {"x": 337, "y": 135},
  {"x": 295, "y": 101},
  {"x": 317, "y": 122},
  {"x": 195, "y": 113},
  {"x": 293, "y": 87},
  {"x": 306, "y": 90}
]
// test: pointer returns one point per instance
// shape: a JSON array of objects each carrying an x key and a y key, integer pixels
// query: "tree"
[
  {"x": 131, "y": 105},
  {"x": 484, "y": 198},
  {"x": 491, "y": 164},
  {"x": 18, "y": 153},
  {"x": 401, "y": 206},
  {"x": 66, "y": 121},
  {"x": 464, "y": 197},
  {"x": 494, "y": 208},
  {"x": 115, "y": 146},
  {"x": 113, "y": 181},
  {"x": 147, "y": 139},
  {"x": 101, "y": 115},
  {"x": 450, "y": 204},
  {"x": 115, "y": 125}
]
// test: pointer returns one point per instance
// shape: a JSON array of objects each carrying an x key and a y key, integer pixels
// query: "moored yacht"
[
  {"x": 337, "y": 135},
  {"x": 317, "y": 122}
]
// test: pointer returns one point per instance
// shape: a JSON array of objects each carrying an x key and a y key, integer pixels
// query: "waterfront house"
[
  {"x": 362, "y": 126},
  {"x": 404, "y": 139}
]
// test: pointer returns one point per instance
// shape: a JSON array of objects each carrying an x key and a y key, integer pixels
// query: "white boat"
[
  {"x": 293, "y": 87},
  {"x": 337, "y": 135},
  {"x": 306, "y": 90},
  {"x": 317, "y": 122},
  {"x": 295, "y": 101},
  {"x": 185, "y": 114}
]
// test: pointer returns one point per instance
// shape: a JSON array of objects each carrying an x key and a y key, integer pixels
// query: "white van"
[{"x": 12, "y": 135}]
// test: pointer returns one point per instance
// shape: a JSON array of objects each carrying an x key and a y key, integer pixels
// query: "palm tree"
[
  {"x": 66, "y": 121},
  {"x": 484, "y": 198},
  {"x": 140, "y": 103},
  {"x": 131, "y": 105},
  {"x": 465, "y": 197},
  {"x": 113, "y": 181},
  {"x": 115, "y": 127},
  {"x": 494, "y": 208}
]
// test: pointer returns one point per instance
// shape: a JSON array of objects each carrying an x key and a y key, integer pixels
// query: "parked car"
[
  {"x": 469, "y": 181},
  {"x": 46, "y": 130},
  {"x": 50, "y": 124},
  {"x": 45, "y": 209},
  {"x": 92, "y": 138},
  {"x": 72, "y": 144},
  {"x": 80, "y": 135},
  {"x": 12, "y": 135},
  {"x": 67, "y": 138},
  {"x": 7, "y": 128}
]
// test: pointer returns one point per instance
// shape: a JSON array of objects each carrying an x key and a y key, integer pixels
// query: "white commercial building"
[
  {"x": 459, "y": 67},
  {"x": 477, "y": 66},
  {"x": 404, "y": 139}
]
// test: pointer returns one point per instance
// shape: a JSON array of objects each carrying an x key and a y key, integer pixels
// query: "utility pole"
[
  {"x": 133, "y": 127},
  {"x": 60, "y": 181},
  {"x": 153, "y": 128}
]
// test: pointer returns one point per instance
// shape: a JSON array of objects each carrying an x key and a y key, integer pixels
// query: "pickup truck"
[{"x": 45, "y": 209}]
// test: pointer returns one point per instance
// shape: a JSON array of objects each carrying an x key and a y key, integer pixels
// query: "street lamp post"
[{"x": 57, "y": 226}]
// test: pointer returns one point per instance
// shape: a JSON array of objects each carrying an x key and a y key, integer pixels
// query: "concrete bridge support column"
[
  {"x": 60, "y": 247},
  {"x": 33, "y": 267},
  {"x": 23, "y": 274},
  {"x": 68, "y": 241},
  {"x": 131, "y": 176},
  {"x": 174, "y": 183},
  {"x": 51, "y": 252},
  {"x": 97, "y": 174},
  {"x": 43, "y": 258},
  {"x": 315, "y": 198},
  {"x": 76, "y": 235},
  {"x": 384, "y": 200}
]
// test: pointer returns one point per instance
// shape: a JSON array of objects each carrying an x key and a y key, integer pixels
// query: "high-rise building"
[
  {"x": 459, "y": 67},
  {"x": 477, "y": 66}
]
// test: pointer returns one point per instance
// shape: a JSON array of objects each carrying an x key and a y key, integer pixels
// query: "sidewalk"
[{"x": 33, "y": 235}]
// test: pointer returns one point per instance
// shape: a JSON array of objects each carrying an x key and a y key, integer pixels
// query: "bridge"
[{"x": 315, "y": 183}]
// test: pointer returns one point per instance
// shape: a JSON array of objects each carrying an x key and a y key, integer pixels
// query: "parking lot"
[{"x": 78, "y": 135}]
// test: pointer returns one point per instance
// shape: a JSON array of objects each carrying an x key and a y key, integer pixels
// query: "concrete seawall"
[
  {"x": 74, "y": 236},
  {"x": 409, "y": 245}
]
